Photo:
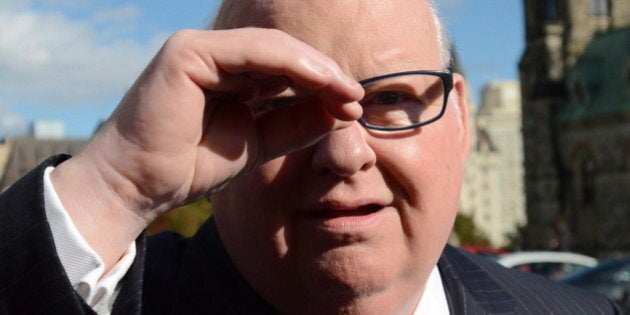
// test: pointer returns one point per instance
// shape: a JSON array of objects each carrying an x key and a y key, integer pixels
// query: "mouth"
[
  {"x": 336, "y": 220},
  {"x": 335, "y": 213}
]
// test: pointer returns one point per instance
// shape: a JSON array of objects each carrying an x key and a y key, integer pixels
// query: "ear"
[{"x": 460, "y": 90}]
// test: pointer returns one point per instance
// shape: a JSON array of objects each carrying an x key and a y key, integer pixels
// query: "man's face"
[{"x": 360, "y": 214}]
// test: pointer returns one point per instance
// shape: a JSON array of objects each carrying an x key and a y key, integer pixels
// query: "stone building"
[
  {"x": 576, "y": 117},
  {"x": 24, "y": 154},
  {"x": 5, "y": 150},
  {"x": 492, "y": 191}
]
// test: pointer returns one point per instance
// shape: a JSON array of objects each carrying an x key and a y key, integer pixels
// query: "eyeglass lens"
[{"x": 402, "y": 101}]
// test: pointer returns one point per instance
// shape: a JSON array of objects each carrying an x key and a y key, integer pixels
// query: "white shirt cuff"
[{"x": 82, "y": 264}]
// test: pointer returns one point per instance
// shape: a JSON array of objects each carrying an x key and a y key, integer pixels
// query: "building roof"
[
  {"x": 599, "y": 82},
  {"x": 27, "y": 153}
]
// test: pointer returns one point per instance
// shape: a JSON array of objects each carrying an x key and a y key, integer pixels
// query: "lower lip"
[{"x": 346, "y": 221}]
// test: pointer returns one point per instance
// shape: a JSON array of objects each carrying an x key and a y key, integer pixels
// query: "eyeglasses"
[
  {"x": 405, "y": 100},
  {"x": 393, "y": 102}
]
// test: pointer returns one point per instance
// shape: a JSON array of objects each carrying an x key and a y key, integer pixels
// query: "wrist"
[{"x": 96, "y": 208}]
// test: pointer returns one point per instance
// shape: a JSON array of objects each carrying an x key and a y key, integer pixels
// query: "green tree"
[
  {"x": 467, "y": 232},
  {"x": 516, "y": 239},
  {"x": 184, "y": 220}
]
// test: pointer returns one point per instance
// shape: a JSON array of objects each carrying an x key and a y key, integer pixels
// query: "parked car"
[
  {"x": 553, "y": 265},
  {"x": 488, "y": 252},
  {"x": 610, "y": 278}
]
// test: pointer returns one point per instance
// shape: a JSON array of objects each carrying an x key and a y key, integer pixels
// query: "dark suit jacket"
[{"x": 174, "y": 275}]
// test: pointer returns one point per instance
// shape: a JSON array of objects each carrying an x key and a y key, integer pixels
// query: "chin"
[
  {"x": 354, "y": 280},
  {"x": 349, "y": 272}
]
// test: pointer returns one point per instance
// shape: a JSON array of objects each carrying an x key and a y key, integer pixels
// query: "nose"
[{"x": 344, "y": 152}]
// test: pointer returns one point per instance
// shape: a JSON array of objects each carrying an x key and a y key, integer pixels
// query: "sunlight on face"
[{"x": 357, "y": 221}]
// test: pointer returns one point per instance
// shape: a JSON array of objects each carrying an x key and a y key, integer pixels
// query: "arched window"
[
  {"x": 587, "y": 178},
  {"x": 585, "y": 173},
  {"x": 578, "y": 90},
  {"x": 548, "y": 10},
  {"x": 600, "y": 7},
  {"x": 625, "y": 75}
]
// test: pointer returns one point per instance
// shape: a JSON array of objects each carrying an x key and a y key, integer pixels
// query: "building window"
[
  {"x": 548, "y": 10},
  {"x": 625, "y": 75},
  {"x": 600, "y": 7},
  {"x": 587, "y": 174},
  {"x": 578, "y": 89},
  {"x": 585, "y": 171}
]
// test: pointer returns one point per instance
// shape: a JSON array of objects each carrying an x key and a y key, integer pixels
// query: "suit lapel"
[
  {"x": 32, "y": 279},
  {"x": 469, "y": 288},
  {"x": 209, "y": 283},
  {"x": 129, "y": 299}
]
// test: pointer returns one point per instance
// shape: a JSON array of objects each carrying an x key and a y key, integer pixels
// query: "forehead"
[{"x": 366, "y": 37}]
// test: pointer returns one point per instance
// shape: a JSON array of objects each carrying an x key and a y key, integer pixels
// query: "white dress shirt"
[
  {"x": 85, "y": 267},
  {"x": 82, "y": 264},
  {"x": 433, "y": 300}
]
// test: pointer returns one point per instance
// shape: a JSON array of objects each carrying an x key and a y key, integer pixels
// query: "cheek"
[
  {"x": 256, "y": 204},
  {"x": 424, "y": 170},
  {"x": 244, "y": 198},
  {"x": 441, "y": 172}
]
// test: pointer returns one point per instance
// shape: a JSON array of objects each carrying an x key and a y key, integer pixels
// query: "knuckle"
[
  {"x": 180, "y": 46},
  {"x": 264, "y": 38},
  {"x": 181, "y": 38},
  {"x": 277, "y": 34}
]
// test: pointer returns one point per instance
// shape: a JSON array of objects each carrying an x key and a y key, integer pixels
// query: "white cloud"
[
  {"x": 123, "y": 13},
  {"x": 117, "y": 21},
  {"x": 11, "y": 124},
  {"x": 12, "y": 4},
  {"x": 52, "y": 60}
]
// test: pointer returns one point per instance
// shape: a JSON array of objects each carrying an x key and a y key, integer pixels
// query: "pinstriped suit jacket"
[{"x": 173, "y": 275}]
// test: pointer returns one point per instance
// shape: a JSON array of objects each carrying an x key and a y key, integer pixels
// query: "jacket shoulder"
[
  {"x": 483, "y": 279},
  {"x": 162, "y": 266},
  {"x": 32, "y": 279}
]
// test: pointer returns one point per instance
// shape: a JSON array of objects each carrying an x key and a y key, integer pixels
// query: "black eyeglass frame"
[{"x": 447, "y": 83}]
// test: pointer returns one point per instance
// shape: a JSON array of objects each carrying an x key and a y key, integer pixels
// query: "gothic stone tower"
[{"x": 557, "y": 33}]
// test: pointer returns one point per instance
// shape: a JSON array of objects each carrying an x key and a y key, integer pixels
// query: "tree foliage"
[
  {"x": 184, "y": 220},
  {"x": 467, "y": 232}
]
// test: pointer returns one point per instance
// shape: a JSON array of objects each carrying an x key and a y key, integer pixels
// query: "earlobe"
[{"x": 460, "y": 89}]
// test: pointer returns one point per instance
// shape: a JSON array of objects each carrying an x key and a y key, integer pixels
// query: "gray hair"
[
  {"x": 442, "y": 36},
  {"x": 229, "y": 12}
]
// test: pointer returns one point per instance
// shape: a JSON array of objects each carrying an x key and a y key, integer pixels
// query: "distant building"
[
  {"x": 24, "y": 154},
  {"x": 493, "y": 190},
  {"x": 575, "y": 76},
  {"x": 5, "y": 151},
  {"x": 49, "y": 129}
]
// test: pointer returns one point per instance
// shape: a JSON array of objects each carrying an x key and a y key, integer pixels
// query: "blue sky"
[{"x": 72, "y": 60}]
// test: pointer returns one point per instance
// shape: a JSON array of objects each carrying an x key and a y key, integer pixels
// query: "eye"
[
  {"x": 386, "y": 98},
  {"x": 391, "y": 109},
  {"x": 396, "y": 102}
]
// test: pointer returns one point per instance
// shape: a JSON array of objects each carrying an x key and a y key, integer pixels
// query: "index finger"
[{"x": 277, "y": 53}]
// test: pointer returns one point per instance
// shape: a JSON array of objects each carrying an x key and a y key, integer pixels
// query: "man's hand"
[{"x": 186, "y": 127}]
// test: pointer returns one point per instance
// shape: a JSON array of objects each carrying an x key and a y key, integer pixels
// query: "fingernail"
[
  {"x": 351, "y": 83},
  {"x": 354, "y": 86},
  {"x": 317, "y": 67}
]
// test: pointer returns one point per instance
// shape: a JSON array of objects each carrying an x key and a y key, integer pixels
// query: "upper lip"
[{"x": 349, "y": 207}]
